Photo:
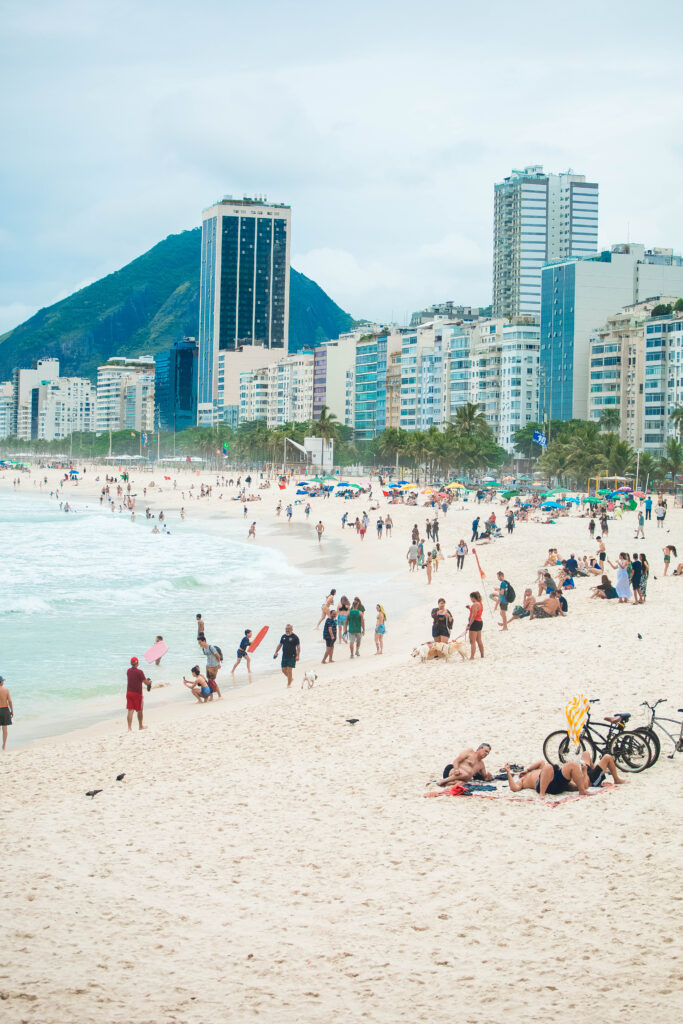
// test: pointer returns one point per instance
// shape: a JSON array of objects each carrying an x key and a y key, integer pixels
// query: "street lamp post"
[{"x": 639, "y": 452}]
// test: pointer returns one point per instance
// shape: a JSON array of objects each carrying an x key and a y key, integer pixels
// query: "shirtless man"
[
  {"x": 466, "y": 765},
  {"x": 6, "y": 710}
]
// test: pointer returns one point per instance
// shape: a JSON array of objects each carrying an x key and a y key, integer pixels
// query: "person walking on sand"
[
  {"x": 6, "y": 710},
  {"x": 428, "y": 567},
  {"x": 252, "y": 531},
  {"x": 640, "y": 532},
  {"x": 214, "y": 659},
  {"x": 475, "y": 624},
  {"x": 329, "y": 636},
  {"x": 243, "y": 654},
  {"x": 380, "y": 629},
  {"x": 387, "y": 525},
  {"x": 319, "y": 530},
  {"x": 134, "y": 700},
  {"x": 356, "y": 626},
  {"x": 475, "y": 530},
  {"x": 460, "y": 553},
  {"x": 291, "y": 650},
  {"x": 503, "y": 600},
  {"x": 412, "y": 557},
  {"x": 442, "y": 623}
]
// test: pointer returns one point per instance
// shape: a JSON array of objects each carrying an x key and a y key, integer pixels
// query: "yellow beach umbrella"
[
  {"x": 577, "y": 712},
  {"x": 409, "y": 487},
  {"x": 454, "y": 486}
]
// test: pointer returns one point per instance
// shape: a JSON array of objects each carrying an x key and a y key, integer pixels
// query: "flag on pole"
[
  {"x": 481, "y": 571},
  {"x": 540, "y": 438},
  {"x": 226, "y": 447},
  {"x": 144, "y": 438},
  {"x": 577, "y": 712}
]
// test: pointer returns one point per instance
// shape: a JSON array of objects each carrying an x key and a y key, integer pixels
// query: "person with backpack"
[
  {"x": 214, "y": 658},
  {"x": 506, "y": 594}
]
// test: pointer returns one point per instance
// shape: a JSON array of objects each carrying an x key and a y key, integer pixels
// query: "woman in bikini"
[
  {"x": 475, "y": 624},
  {"x": 442, "y": 622}
]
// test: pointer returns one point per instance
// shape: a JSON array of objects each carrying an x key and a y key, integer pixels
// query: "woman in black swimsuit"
[{"x": 442, "y": 622}]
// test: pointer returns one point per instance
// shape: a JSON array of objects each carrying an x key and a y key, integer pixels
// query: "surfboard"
[
  {"x": 257, "y": 639},
  {"x": 155, "y": 651}
]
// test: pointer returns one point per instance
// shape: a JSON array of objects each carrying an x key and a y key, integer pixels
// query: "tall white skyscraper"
[
  {"x": 538, "y": 217},
  {"x": 243, "y": 296}
]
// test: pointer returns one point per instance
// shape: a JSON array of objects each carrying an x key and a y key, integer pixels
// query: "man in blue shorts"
[
  {"x": 291, "y": 649},
  {"x": 242, "y": 653}
]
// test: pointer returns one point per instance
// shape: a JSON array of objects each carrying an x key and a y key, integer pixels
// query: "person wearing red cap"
[{"x": 136, "y": 677}]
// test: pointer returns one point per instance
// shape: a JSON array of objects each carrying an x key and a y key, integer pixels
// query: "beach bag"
[{"x": 511, "y": 595}]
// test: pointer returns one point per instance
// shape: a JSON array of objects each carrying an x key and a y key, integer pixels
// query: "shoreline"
[{"x": 327, "y": 561}]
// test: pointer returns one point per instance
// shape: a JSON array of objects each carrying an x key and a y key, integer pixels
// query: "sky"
[{"x": 384, "y": 126}]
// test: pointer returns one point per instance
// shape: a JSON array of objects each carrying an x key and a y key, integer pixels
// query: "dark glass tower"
[{"x": 244, "y": 290}]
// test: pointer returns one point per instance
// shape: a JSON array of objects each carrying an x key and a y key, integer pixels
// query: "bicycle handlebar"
[{"x": 662, "y": 700}]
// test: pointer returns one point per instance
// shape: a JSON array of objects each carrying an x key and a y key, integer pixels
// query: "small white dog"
[{"x": 309, "y": 680}]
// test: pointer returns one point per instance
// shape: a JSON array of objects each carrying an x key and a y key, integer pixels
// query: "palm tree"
[
  {"x": 393, "y": 442},
  {"x": 676, "y": 419},
  {"x": 610, "y": 419},
  {"x": 470, "y": 420},
  {"x": 619, "y": 458},
  {"x": 327, "y": 425},
  {"x": 672, "y": 463}
]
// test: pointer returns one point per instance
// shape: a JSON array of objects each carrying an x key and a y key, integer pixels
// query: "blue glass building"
[
  {"x": 176, "y": 385},
  {"x": 370, "y": 386}
]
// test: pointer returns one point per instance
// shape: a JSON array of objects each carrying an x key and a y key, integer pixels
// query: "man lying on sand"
[
  {"x": 551, "y": 779},
  {"x": 467, "y": 766}
]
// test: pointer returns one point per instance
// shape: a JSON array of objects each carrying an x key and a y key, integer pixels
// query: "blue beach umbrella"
[{"x": 551, "y": 504}]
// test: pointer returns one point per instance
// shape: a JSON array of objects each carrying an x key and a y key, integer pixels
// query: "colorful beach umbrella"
[{"x": 576, "y": 711}]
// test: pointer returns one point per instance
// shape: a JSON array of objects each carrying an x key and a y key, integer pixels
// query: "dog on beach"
[
  {"x": 432, "y": 650},
  {"x": 308, "y": 680}
]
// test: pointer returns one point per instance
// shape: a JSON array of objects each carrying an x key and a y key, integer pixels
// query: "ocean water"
[{"x": 84, "y": 591}]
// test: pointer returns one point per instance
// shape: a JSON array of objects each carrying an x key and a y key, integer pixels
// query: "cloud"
[{"x": 383, "y": 130}]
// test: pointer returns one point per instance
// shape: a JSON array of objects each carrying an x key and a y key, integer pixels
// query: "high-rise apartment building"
[
  {"x": 125, "y": 394},
  {"x": 6, "y": 408},
  {"x": 48, "y": 407},
  {"x": 636, "y": 368},
  {"x": 578, "y": 295},
  {"x": 244, "y": 294},
  {"x": 280, "y": 392},
  {"x": 175, "y": 385},
  {"x": 538, "y": 217}
]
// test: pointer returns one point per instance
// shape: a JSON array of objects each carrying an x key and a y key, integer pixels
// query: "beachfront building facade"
[
  {"x": 175, "y": 385},
  {"x": 578, "y": 295},
  {"x": 6, "y": 408},
  {"x": 636, "y": 368},
  {"x": 44, "y": 406},
  {"x": 538, "y": 217},
  {"x": 280, "y": 392},
  {"x": 243, "y": 297},
  {"x": 125, "y": 394}
]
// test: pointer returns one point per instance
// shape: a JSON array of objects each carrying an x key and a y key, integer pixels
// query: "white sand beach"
[{"x": 265, "y": 860}]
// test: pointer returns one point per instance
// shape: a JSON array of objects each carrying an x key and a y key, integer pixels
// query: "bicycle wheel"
[
  {"x": 653, "y": 740},
  {"x": 558, "y": 748},
  {"x": 631, "y": 751}
]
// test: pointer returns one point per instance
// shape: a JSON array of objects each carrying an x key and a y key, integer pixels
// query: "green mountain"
[{"x": 144, "y": 308}]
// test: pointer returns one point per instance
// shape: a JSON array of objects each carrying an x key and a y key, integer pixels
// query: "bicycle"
[
  {"x": 632, "y": 751},
  {"x": 653, "y": 738}
]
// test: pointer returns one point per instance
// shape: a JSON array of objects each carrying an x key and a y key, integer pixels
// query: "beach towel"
[{"x": 498, "y": 790}]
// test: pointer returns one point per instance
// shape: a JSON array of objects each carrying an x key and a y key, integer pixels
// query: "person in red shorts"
[{"x": 136, "y": 678}]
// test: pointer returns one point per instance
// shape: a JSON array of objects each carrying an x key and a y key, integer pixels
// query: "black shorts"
[
  {"x": 503, "y": 605},
  {"x": 330, "y": 641},
  {"x": 5, "y": 716},
  {"x": 476, "y": 627}
]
